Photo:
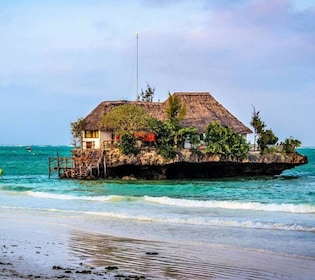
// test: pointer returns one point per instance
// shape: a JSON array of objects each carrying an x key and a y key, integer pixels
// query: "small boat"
[{"x": 29, "y": 148}]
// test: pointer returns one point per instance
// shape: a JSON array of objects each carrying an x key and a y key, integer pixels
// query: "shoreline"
[{"x": 39, "y": 246}]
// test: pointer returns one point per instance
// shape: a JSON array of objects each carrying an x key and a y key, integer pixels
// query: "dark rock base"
[{"x": 202, "y": 170}]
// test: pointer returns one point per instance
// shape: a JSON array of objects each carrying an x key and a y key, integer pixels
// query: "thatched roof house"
[{"x": 201, "y": 109}]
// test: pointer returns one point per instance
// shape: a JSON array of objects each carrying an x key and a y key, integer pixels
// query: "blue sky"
[{"x": 60, "y": 59}]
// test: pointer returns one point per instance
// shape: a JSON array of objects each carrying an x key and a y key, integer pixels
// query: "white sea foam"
[
  {"x": 195, "y": 221},
  {"x": 72, "y": 197},
  {"x": 236, "y": 205},
  {"x": 201, "y": 221},
  {"x": 177, "y": 202},
  {"x": 242, "y": 224}
]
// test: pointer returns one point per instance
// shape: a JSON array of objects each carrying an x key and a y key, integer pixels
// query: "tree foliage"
[
  {"x": 126, "y": 118},
  {"x": 175, "y": 111},
  {"x": 76, "y": 132},
  {"x": 265, "y": 136},
  {"x": 224, "y": 141},
  {"x": 187, "y": 134},
  {"x": 170, "y": 136},
  {"x": 290, "y": 144},
  {"x": 147, "y": 95},
  {"x": 257, "y": 123},
  {"x": 127, "y": 144},
  {"x": 164, "y": 132}
]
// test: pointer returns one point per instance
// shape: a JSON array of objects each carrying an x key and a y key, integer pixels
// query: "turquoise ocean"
[{"x": 274, "y": 214}]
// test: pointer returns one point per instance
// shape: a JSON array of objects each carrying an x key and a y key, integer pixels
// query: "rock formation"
[{"x": 189, "y": 165}]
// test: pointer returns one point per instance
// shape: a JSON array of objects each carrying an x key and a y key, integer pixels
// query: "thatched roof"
[{"x": 201, "y": 109}]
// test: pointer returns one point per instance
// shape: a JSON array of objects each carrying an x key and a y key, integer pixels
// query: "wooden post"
[
  {"x": 49, "y": 168},
  {"x": 58, "y": 164},
  {"x": 104, "y": 163}
]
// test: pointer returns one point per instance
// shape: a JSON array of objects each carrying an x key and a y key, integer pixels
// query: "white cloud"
[{"x": 244, "y": 52}]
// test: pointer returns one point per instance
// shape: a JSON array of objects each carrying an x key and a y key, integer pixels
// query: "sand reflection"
[
  {"x": 150, "y": 259},
  {"x": 162, "y": 260}
]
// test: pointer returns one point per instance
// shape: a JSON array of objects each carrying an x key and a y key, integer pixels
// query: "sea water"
[{"x": 274, "y": 213}]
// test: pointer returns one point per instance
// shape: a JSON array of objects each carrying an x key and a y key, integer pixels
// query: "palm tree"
[{"x": 175, "y": 110}]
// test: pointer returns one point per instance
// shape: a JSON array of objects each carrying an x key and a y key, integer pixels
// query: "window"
[
  {"x": 89, "y": 145},
  {"x": 91, "y": 134}
]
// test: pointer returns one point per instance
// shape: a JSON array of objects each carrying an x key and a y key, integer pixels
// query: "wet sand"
[{"x": 41, "y": 247}]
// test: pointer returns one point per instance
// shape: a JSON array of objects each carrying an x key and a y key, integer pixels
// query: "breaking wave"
[
  {"x": 184, "y": 203},
  {"x": 236, "y": 205},
  {"x": 198, "y": 221},
  {"x": 112, "y": 198}
]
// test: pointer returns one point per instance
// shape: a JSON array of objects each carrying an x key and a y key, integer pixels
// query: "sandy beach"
[{"x": 41, "y": 247}]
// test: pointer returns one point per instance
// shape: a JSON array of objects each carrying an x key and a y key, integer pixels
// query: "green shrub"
[
  {"x": 221, "y": 140},
  {"x": 290, "y": 144},
  {"x": 127, "y": 145}
]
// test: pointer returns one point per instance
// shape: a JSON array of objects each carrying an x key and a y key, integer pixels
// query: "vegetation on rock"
[
  {"x": 127, "y": 118},
  {"x": 267, "y": 138},
  {"x": 127, "y": 144},
  {"x": 170, "y": 137},
  {"x": 257, "y": 124},
  {"x": 165, "y": 143},
  {"x": 76, "y": 132},
  {"x": 290, "y": 144},
  {"x": 221, "y": 140}
]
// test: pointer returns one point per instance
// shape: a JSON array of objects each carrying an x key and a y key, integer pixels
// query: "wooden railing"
[
  {"x": 82, "y": 165},
  {"x": 61, "y": 165}
]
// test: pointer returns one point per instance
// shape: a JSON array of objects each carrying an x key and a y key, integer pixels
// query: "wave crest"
[
  {"x": 186, "y": 203},
  {"x": 72, "y": 197},
  {"x": 234, "y": 205}
]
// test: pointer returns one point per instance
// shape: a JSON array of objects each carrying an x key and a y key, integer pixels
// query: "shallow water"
[
  {"x": 32, "y": 246},
  {"x": 274, "y": 214}
]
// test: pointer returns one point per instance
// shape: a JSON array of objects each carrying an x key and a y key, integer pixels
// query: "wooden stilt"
[{"x": 82, "y": 165}]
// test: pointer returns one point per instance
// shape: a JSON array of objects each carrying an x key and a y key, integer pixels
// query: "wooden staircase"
[
  {"x": 84, "y": 164},
  {"x": 88, "y": 165}
]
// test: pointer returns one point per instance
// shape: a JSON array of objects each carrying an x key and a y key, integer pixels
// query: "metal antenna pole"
[{"x": 137, "y": 64}]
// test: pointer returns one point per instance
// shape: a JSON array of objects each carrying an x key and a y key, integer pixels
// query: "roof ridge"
[{"x": 192, "y": 93}]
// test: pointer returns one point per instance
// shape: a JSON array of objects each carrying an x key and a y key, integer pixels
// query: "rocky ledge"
[{"x": 188, "y": 165}]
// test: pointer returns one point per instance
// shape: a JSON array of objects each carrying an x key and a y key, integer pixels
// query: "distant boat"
[{"x": 29, "y": 148}]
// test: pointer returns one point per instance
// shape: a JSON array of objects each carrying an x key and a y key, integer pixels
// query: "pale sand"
[{"x": 40, "y": 247}]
